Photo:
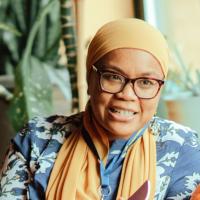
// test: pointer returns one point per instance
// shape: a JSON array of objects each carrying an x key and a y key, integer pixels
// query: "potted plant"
[
  {"x": 30, "y": 38},
  {"x": 181, "y": 96}
]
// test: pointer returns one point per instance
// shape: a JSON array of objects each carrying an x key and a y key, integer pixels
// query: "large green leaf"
[
  {"x": 33, "y": 95},
  {"x": 33, "y": 88}
]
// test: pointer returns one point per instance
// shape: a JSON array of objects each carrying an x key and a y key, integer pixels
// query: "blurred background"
[{"x": 43, "y": 45}]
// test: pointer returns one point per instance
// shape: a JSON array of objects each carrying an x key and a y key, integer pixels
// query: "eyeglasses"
[{"x": 144, "y": 88}]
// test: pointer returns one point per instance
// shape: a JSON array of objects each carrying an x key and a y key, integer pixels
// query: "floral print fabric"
[{"x": 32, "y": 153}]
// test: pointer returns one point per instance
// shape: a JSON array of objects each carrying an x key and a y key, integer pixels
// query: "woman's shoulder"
[
  {"x": 41, "y": 133},
  {"x": 168, "y": 130},
  {"x": 32, "y": 155},
  {"x": 46, "y": 127},
  {"x": 178, "y": 152}
]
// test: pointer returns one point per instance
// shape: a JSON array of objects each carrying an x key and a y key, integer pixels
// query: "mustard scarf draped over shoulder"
[{"x": 76, "y": 175}]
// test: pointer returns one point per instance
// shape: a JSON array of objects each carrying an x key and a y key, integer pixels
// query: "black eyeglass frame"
[{"x": 127, "y": 80}]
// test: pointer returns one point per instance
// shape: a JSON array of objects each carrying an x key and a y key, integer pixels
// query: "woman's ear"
[
  {"x": 88, "y": 85},
  {"x": 91, "y": 83},
  {"x": 88, "y": 91}
]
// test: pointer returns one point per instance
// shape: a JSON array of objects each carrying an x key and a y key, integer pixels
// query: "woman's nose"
[{"x": 127, "y": 93}]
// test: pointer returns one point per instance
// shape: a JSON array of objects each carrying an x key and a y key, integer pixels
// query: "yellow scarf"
[{"x": 75, "y": 174}]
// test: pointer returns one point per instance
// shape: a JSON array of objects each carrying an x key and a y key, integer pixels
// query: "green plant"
[
  {"x": 30, "y": 38},
  {"x": 184, "y": 80},
  {"x": 4, "y": 92}
]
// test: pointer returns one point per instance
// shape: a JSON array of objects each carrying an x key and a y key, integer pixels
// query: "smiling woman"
[
  {"x": 118, "y": 109},
  {"x": 115, "y": 145}
]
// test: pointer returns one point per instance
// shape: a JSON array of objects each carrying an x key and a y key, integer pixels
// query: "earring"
[{"x": 154, "y": 127}]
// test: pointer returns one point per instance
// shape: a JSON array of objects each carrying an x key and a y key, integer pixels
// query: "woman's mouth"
[{"x": 122, "y": 114}]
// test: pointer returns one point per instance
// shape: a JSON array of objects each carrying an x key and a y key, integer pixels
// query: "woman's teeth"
[{"x": 123, "y": 112}]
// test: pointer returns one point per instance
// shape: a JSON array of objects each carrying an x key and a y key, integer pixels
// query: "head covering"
[{"x": 128, "y": 33}]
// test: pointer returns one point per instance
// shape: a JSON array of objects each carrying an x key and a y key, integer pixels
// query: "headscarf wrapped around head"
[{"x": 128, "y": 33}]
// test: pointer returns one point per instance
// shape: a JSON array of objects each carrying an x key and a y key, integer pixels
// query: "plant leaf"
[
  {"x": 33, "y": 96},
  {"x": 10, "y": 29}
]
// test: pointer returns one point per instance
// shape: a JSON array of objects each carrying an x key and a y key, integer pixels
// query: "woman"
[{"x": 111, "y": 149}]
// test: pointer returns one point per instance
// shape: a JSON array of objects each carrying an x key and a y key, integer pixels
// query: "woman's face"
[{"x": 123, "y": 113}]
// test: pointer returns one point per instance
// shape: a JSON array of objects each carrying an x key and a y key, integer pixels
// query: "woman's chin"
[{"x": 119, "y": 131}]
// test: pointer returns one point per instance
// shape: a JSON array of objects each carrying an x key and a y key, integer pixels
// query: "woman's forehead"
[
  {"x": 127, "y": 60},
  {"x": 131, "y": 53}
]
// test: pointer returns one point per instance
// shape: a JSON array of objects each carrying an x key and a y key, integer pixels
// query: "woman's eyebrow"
[
  {"x": 120, "y": 71},
  {"x": 112, "y": 67},
  {"x": 151, "y": 73}
]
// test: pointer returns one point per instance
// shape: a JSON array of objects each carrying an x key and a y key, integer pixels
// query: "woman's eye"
[
  {"x": 112, "y": 77},
  {"x": 146, "y": 82},
  {"x": 115, "y": 77}
]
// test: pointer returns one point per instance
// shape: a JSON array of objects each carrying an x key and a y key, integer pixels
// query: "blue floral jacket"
[{"x": 32, "y": 153}]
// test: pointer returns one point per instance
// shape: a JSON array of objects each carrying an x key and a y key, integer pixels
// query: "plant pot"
[{"x": 185, "y": 111}]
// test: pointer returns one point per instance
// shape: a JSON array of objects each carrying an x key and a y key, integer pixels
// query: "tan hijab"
[
  {"x": 128, "y": 33},
  {"x": 76, "y": 171}
]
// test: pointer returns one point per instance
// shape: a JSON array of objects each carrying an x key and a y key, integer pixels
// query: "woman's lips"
[{"x": 121, "y": 114}]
